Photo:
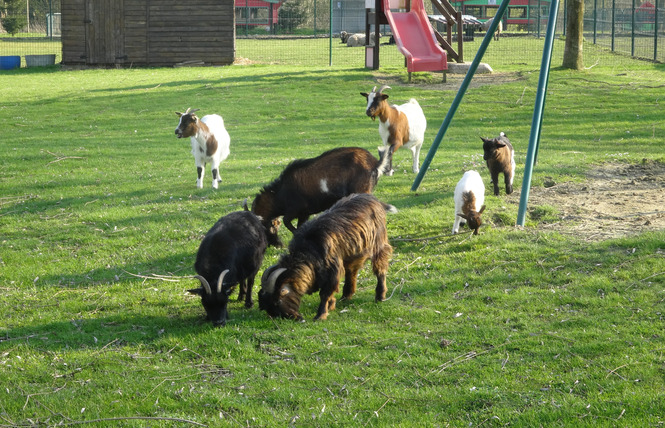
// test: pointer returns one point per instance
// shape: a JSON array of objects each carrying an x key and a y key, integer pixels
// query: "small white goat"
[
  {"x": 486, "y": 26},
  {"x": 398, "y": 125},
  {"x": 469, "y": 199},
  {"x": 210, "y": 142},
  {"x": 500, "y": 157}
]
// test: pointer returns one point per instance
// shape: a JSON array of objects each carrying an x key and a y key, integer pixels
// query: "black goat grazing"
[
  {"x": 309, "y": 186},
  {"x": 337, "y": 242},
  {"x": 500, "y": 158},
  {"x": 231, "y": 253}
]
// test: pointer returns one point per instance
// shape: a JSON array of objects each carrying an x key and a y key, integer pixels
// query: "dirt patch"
[
  {"x": 616, "y": 200},
  {"x": 453, "y": 81}
]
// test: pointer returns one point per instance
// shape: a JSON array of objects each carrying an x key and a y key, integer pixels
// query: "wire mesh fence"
[{"x": 306, "y": 32}]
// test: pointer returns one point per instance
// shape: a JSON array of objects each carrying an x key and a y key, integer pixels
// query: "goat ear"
[
  {"x": 384, "y": 96},
  {"x": 481, "y": 209},
  {"x": 196, "y": 291},
  {"x": 464, "y": 216},
  {"x": 500, "y": 143},
  {"x": 178, "y": 113},
  {"x": 486, "y": 140},
  {"x": 364, "y": 94}
]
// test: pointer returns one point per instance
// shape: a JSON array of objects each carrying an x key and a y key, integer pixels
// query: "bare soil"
[{"x": 616, "y": 200}]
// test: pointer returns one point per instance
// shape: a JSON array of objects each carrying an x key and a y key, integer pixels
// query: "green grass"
[{"x": 517, "y": 327}]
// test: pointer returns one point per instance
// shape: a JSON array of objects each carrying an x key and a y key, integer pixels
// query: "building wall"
[{"x": 148, "y": 32}]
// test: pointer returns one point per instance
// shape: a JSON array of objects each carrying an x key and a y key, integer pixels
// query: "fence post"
[
  {"x": 655, "y": 32},
  {"x": 595, "y": 20},
  {"x": 632, "y": 30},
  {"x": 330, "y": 28},
  {"x": 613, "y": 17}
]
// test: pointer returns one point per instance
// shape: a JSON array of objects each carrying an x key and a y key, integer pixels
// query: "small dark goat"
[
  {"x": 231, "y": 253},
  {"x": 337, "y": 242},
  {"x": 309, "y": 186},
  {"x": 500, "y": 157}
]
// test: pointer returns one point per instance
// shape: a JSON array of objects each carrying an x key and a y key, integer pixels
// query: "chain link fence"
[{"x": 299, "y": 32}]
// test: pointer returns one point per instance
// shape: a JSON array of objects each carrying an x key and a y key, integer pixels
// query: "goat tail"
[{"x": 389, "y": 208}]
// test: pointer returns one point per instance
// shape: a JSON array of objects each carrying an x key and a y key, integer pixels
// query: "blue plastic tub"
[{"x": 10, "y": 62}]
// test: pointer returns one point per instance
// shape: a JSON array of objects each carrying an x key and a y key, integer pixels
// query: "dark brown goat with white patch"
[
  {"x": 399, "y": 125},
  {"x": 500, "y": 157},
  {"x": 309, "y": 186},
  {"x": 337, "y": 242}
]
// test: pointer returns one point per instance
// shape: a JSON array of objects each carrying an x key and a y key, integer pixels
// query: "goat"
[
  {"x": 338, "y": 241},
  {"x": 356, "y": 39},
  {"x": 398, "y": 125},
  {"x": 210, "y": 142},
  {"x": 309, "y": 186},
  {"x": 500, "y": 157},
  {"x": 231, "y": 253},
  {"x": 486, "y": 26},
  {"x": 469, "y": 198}
]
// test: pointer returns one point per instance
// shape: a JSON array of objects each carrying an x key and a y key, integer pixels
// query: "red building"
[{"x": 257, "y": 13}]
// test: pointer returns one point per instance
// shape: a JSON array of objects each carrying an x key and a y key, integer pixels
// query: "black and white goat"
[
  {"x": 469, "y": 199},
  {"x": 337, "y": 242},
  {"x": 210, "y": 142},
  {"x": 309, "y": 186},
  {"x": 231, "y": 253},
  {"x": 399, "y": 125},
  {"x": 500, "y": 157}
]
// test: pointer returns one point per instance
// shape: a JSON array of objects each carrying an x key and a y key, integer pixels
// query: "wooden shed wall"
[{"x": 148, "y": 32}]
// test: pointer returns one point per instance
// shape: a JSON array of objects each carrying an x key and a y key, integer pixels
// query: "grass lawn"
[{"x": 100, "y": 221}]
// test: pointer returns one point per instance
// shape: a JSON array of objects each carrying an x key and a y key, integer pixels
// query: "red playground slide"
[{"x": 415, "y": 38}]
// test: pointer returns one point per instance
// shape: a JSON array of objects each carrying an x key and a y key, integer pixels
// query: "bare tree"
[{"x": 572, "y": 54}]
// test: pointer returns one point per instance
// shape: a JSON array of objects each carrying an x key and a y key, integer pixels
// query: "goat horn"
[
  {"x": 374, "y": 90},
  {"x": 273, "y": 278},
  {"x": 220, "y": 280},
  {"x": 204, "y": 284},
  {"x": 384, "y": 87}
]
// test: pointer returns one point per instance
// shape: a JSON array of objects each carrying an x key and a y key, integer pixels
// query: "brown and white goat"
[
  {"x": 309, "y": 186},
  {"x": 469, "y": 198},
  {"x": 500, "y": 157},
  {"x": 337, "y": 242},
  {"x": 399, "y": 125},
  {"x": 210, "y": 142}
]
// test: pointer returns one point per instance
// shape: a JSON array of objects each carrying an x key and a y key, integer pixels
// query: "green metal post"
[
  {"x": 330, "y": 34},
  {"x": 460, "y": 94},
  {"x": 536, "y": 122}
]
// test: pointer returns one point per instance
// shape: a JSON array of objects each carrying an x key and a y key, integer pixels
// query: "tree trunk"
[{"x": 572, "y": 54}]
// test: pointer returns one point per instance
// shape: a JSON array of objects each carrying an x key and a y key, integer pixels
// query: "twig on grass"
[
  {"x": 158, "y": 277},
  {"x": 58, "y": 158},
  {"x": 427, "y": 238}
]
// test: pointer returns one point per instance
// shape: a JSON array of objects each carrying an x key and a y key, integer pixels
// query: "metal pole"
[
  {"x": 655, "y": 33},
  {"x": 595, "y": 20},
  {"x": 330, "y": 29},
  {"x": 613, "y": 17},
  {"x": 460, "y": 94},
  {"x": 538, "y": 112},
  {"x": 632, "y": 30}
]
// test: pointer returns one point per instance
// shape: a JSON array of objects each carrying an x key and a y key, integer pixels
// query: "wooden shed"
[{"x": 148, "y": 32}]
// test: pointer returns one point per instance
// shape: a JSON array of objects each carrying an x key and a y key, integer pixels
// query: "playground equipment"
[
  {"x": 534, "y": 139},
  {"x": 412, "y": 32}
]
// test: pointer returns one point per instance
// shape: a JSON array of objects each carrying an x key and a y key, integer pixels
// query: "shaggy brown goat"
[{"x": 338, "y": 241}]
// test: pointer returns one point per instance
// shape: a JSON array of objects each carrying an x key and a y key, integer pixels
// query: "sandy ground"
[{"x": 616, "y": 200}]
